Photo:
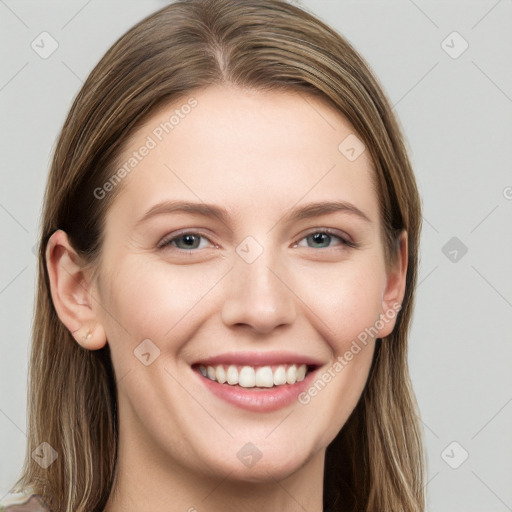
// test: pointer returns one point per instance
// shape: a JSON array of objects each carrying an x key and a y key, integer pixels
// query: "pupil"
[
  {"x": 189, "y": 239},
  {"x": 320, "y": 238}
]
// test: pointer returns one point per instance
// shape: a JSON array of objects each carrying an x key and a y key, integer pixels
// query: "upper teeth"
[{"x": 250, "y": 377}]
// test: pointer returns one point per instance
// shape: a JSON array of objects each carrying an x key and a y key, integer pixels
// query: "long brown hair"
[{"x": 375, "y": 464}]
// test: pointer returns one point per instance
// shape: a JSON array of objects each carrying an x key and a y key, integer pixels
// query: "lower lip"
[{"x": 258, "y": 399}]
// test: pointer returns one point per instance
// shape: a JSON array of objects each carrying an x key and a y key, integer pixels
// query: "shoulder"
[{"x": 25, "y": 503}]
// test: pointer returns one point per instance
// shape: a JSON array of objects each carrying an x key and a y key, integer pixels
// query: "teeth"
[
  {"x": 279, "y": 376},
  {"x": 264, "y": 377},
  {"x": 232, "y": 375},
  {"x": 220, "y": 374},
  {"x": 291, "y": 375},
  {"x": 301, "y": 373},
  {"x": 250, "y": 377},
  {"x": 247, "y": 377}
]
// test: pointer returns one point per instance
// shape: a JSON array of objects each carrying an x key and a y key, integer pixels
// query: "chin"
[
  {"x": 251, "y": 465},
  {"x": 266, "y": 472}
]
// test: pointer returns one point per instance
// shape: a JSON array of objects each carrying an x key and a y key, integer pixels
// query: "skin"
[{"x": 258, "y": 155}]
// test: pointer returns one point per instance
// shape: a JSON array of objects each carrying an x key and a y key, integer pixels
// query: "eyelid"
[
  {"x": 344, "y": 237},
  {"x": 166, "y": 240}
]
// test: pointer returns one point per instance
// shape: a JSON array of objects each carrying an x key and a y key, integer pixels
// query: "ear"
[
  {"x": 70, "y": 286},
  {"x": 394, "y": 290}
]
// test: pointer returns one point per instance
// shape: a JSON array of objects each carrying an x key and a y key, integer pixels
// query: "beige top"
[{"x": 32, "y": 503}]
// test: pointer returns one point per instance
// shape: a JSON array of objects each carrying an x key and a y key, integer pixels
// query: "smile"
[
  {"x": 255, "y": 376},
  {"x": 257, "y": 381}
]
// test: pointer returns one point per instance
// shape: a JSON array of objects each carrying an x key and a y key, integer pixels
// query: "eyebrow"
[{"x": 297, "y": 213}]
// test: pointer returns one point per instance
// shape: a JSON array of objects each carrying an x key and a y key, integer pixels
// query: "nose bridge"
[{"x": 256, "y": 295}]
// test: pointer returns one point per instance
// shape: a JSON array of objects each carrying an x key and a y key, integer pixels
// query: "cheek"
[
  {"x": 149, "y": 299},
  {"x": 345, "y": 306},
  {"x": 344, "y": 301}
]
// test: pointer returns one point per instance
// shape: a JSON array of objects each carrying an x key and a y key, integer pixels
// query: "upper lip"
[{"x": 258, "y": 358}]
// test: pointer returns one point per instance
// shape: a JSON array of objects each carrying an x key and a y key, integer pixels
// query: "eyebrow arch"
[
  {"x": 207, "y": 210},
  {"x": 324, "y": 208},
  {"x": 298, "y": 213}
]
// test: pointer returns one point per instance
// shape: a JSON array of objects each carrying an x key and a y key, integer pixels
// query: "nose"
[{"x": 258, "y": 296}]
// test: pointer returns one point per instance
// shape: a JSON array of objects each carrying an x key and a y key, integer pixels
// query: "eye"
[
  {"x": 185, "y": 241},
  {"x": 322, "y": 239}
]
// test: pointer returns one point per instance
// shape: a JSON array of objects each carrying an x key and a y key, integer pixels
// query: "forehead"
[{"x": 246, "y": 150}]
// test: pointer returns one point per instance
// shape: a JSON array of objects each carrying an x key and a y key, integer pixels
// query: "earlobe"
[
  {"x": 71, "y": 292},
  {"x": 394, "y": 291}
]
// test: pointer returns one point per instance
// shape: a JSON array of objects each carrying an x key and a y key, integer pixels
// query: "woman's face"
[{"x": 245, "y": 243}]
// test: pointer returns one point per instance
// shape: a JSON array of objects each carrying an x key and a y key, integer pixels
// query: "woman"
[{"x": 227, "y": 268}]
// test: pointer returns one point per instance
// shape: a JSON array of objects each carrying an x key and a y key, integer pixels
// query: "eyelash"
[{"x": 167, "y": 242}]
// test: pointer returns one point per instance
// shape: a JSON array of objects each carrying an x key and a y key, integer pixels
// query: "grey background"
[{"x": 456, "y": 114}]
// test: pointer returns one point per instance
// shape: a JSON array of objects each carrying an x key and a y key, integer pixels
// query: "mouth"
[
  {"x": 246, "y": 376},
  {"x": 256, "y": 381}
]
